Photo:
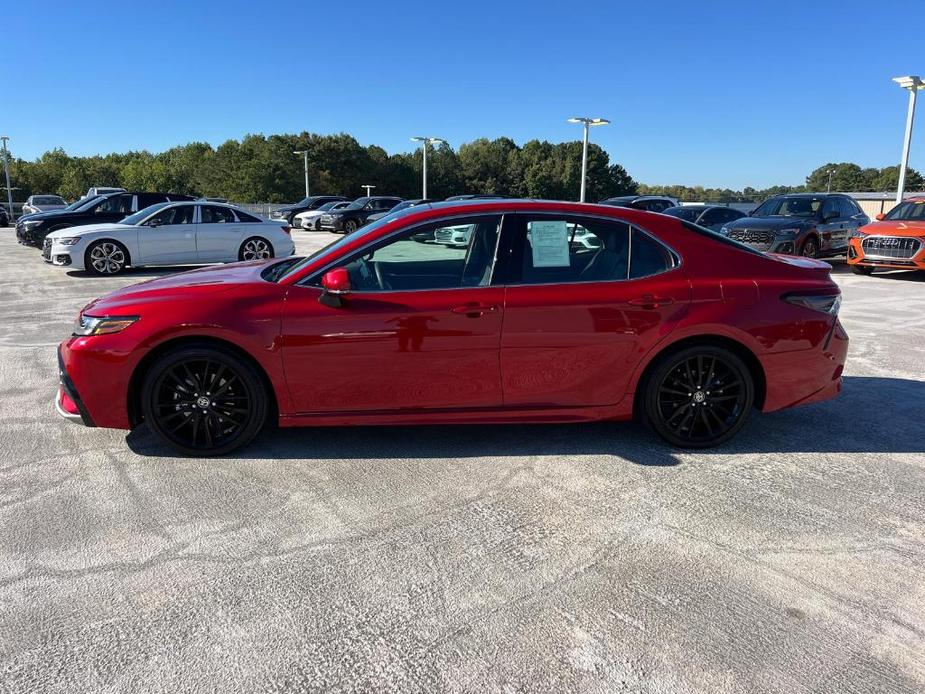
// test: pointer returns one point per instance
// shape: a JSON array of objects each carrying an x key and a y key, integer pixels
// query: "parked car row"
[{"x": 108, "y": 233}]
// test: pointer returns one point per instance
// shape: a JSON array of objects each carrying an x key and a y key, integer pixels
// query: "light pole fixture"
[
  {"x": 6, "y": 170},
  {"x": 829, "y": 187},
  {"x": 304, "y": 153},
  {"x": 913, "y": 83},
  {"x": 368, "y": 189},
  {"x": 588, "y": 122},
  {"x": 424, "y": 142}
]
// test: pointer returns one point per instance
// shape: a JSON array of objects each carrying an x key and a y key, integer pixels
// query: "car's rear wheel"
[
  {"x": 861, "y": 269},
  {"x": 255, "y": 248},
  {"x": 350, "y": 226},
  {"x": 810, "y": 248},
  {"x": 699, "y": 397},
  {"x": 106, "y": 258},
  {"x": 203, "y": 401}
]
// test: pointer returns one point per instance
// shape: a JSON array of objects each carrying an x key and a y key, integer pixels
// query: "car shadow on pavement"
[
  {"x": 872, "y": 415},
  {"x": 141, "y": 273}
]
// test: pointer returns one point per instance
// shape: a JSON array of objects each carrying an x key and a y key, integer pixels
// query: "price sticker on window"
[{"x": 549, "y": 243}]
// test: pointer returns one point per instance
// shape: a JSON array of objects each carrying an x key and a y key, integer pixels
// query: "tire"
[
  {"x": 106, "y": 257},
  {"x": 810, "y": 248},
  {"x": 255, "y": 248},
  {"x": 350, "y": 226},
  {"x": 861, "y": 269},
  {"x": 317, "y": 225},
  {"x": 227, "y": 416},
  {"x": 698, "y": 397}
]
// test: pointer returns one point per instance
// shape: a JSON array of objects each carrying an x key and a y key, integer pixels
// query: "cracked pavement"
[{"x": 482, "y": 558}]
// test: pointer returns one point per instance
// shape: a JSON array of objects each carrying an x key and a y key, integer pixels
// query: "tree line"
[{"x": 262, "y": 168}]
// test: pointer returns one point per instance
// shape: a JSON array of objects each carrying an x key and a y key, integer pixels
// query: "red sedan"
[{"x": 488, "y": 311}]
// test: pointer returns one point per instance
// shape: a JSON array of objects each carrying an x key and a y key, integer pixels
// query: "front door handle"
[
  {"x": 474, "y": 310},
  {"x": 648, "y": 301}
]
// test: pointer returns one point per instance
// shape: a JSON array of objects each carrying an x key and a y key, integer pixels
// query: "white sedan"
[
  {"x": 311, "y": 219},
  {"x": 169, "y": 233}
]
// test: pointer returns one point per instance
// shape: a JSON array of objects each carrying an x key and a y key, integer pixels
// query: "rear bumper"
[{"x": 806, "y": 376}]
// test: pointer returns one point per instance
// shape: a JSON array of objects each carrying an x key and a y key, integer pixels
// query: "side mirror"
[
  {"x": 881, "y": 217},
  {"x": 336, "y": 284}
]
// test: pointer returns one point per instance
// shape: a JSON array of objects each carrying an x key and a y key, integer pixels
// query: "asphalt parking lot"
[{"x": 484, "y": 558}]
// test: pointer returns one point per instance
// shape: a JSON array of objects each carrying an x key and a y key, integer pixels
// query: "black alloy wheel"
[
  {"x": 861, "y": 269},
  {"x": 350, "y": 226},
  {"x": 810, "y": 248},
  {"x": 204, "y": 401},
  {"x": 699, "y": 397}
]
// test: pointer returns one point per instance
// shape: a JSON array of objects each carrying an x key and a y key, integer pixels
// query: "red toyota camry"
[{"x": 488, "y": 311}]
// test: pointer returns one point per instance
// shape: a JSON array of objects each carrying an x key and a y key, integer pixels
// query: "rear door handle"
[
  {"x": 474, "y": 310},
  {"x": 649, "y": 301}
]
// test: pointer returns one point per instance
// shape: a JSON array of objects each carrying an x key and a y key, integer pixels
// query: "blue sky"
[{"x": 717, "y": 93}]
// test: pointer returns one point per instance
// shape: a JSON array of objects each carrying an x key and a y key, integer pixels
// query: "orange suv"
[{"x": 895, "y": 241}]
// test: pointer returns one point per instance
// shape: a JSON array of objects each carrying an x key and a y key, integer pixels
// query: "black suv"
[
  {"x": 304, "y": 205},
  {"x": 102, "y": 209},
  {"x": 810, "y": 224},
  {"x": 350, "y": 218},
  {"x": 650, "y": 203}
]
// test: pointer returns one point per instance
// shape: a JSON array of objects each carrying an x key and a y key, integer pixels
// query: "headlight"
[
  {"x": 102, "y": 325},
  {"x": 792, "y": 232},
  {"x": 724, "y": 231},
  {"x": 68, "y": 241},
  {"x": 31, "y": 224},
  {"x": 856, "y": 233}
]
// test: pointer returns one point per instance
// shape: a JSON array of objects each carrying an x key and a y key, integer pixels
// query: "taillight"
[
  {"x": 286, "y": 229},
  {"x": 824, "y": 303}
]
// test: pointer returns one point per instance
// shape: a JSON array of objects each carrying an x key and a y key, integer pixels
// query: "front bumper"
[
  {"x": 95, "y": 374},
  {"x": 30, "y": 237},
  {"x": 858, "y": 256},
  {"x": 60, "y": 255},
  {"x": 68, "y": 403},
  {"x": 328, "y": 224}
]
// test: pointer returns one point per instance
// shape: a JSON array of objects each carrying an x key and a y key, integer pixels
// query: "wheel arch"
[
  {"x": 735, "y": 346},
  {"x": 138, "y": 375}
]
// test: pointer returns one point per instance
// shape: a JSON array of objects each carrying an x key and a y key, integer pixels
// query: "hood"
[
  {"x": 83, "y": 229},
  {"x": 772, "y": 223},
  {"x": 50, "y": 214},
  {"x": 896, "y": 227},
  {"x": 180, "y": 286}
]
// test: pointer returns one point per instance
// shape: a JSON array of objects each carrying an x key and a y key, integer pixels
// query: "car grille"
[
  {"x": 326, "y": 219},
  {"x": 46, "y": 249},
  {"x": 890, "y": 246},
  {"x": 760, "y": 240},
  {"x": 443, "y": 235}
]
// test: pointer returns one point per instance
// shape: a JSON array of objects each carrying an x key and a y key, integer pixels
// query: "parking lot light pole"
[
  {"x": 913, "y": 83},
  {"x": 424, "y": 142},
  {"x": 304, "y": 153},
  {"x": 368, "y": 189},
  {"x": 6, "y": 171},
  {"x": 588, "y": 122}
]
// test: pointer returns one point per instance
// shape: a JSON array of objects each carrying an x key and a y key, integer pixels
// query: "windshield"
[
  {"x": 789, "y": 206},
  {"x": 134, "y": 219},
  {"x": 87, "y": 204},
  {"x": 80, "y": 203},
  {"x": 48, "y": 200},
  {"x": 328, "y": 206},
  {"x": 689, "y": 213},
  {"x": 913, "y": 210},
  {"x": 341, "y": 242}
]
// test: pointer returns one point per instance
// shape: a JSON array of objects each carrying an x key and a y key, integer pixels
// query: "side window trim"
[
  {"x": 314, "y": 279},
  {"x": 676, "y": 261}
]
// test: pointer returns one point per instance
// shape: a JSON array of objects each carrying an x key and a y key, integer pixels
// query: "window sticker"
[{"x": 549, "y": 242}]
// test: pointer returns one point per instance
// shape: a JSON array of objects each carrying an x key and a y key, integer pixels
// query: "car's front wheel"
[
  {"x": 203, "y": 400},
  {"x": 106, "y": 258},
  {"x": 810, "y": 248},
  {"x": 255, "y": 249},
  {"x": 350, "y": 226},
  {"x": 699, "y": 397}
]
